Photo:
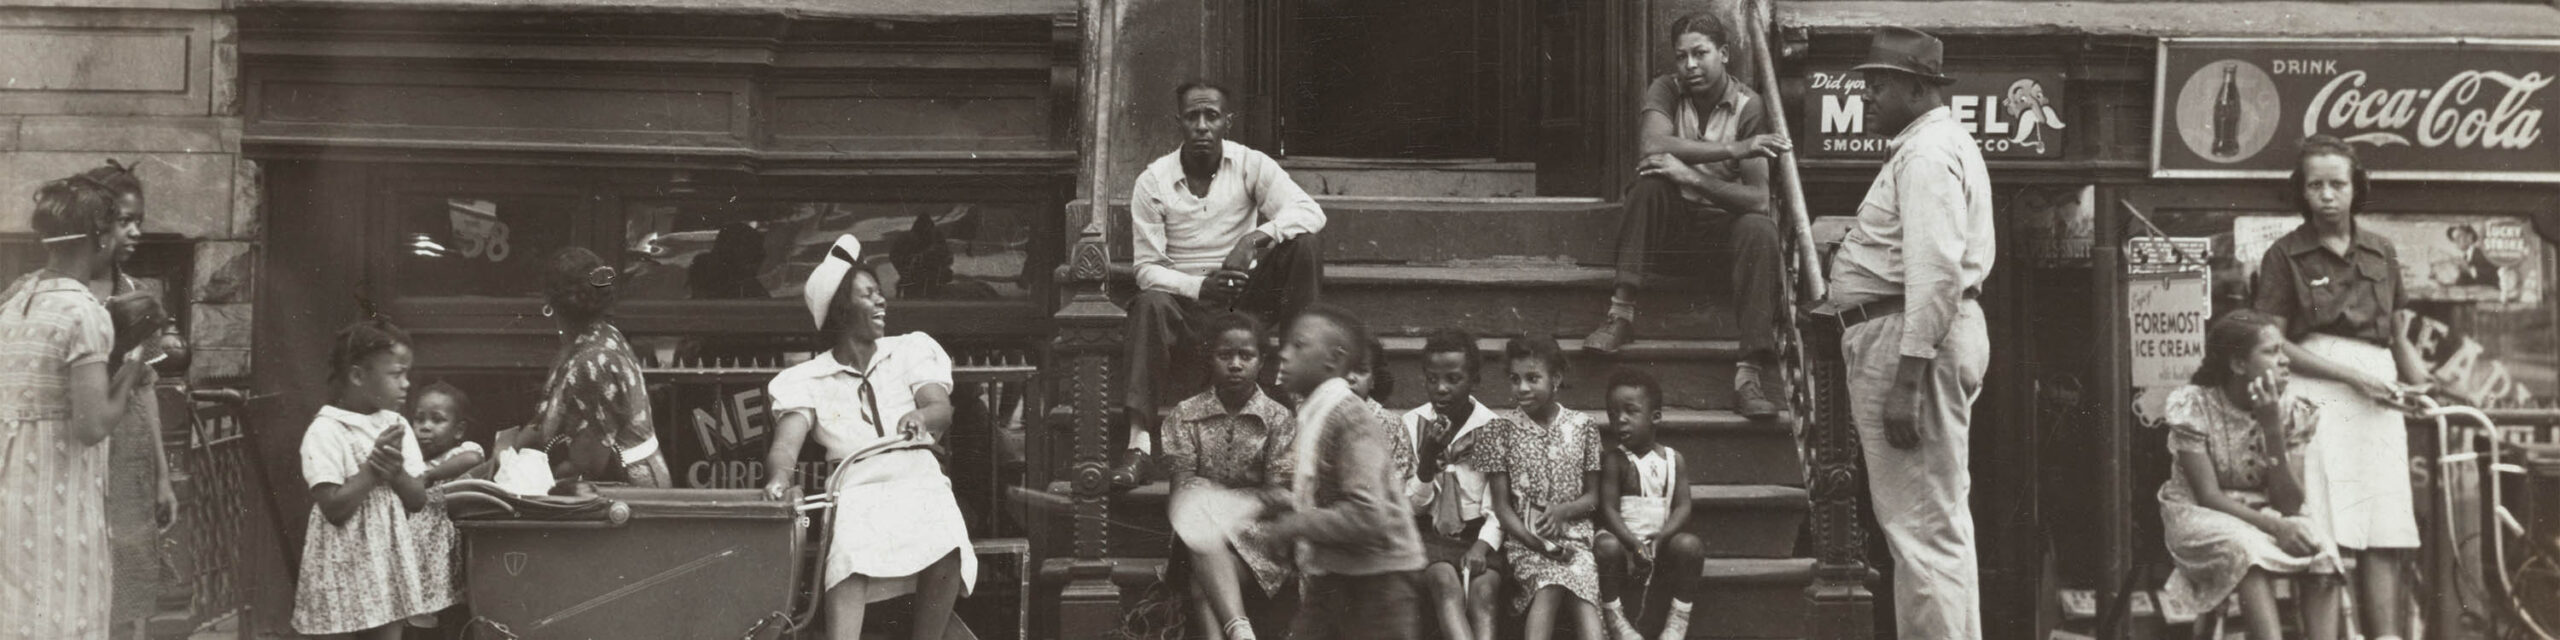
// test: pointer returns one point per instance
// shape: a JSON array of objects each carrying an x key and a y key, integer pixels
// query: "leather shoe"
[{"x": 1614, "y": 333}]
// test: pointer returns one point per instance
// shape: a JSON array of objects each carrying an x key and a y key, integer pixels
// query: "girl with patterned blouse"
[
  {"x": 1545, "y": 475},
  {"x": 596, "y": 415},
  {"x": 1233, "y": 437},
  {"x": 2232, "y": 509},
  {"x": 58, "y": 404}
]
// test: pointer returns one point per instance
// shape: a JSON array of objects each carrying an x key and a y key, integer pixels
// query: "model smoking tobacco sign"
[
  {"x": 2012, "y": 114},
  {"x": 2416, "y": 109}
]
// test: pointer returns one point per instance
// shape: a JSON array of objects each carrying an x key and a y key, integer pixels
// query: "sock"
[
  {"x": 1239, "y": 629},
  {"x": 1745, "y": 371},
  {"x": 1615, "y": 615},
  {"x": 1141, "y": 442},
  {"x": 1622, "y": 308},
  {"x": 1676, "y": 627}
]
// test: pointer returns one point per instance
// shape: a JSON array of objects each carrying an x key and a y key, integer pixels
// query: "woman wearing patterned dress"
[
  {"x": 1545, "y": 477},
  {"x": 596, "y": 417},
  {"x": 58, "y": 403},
  {"x": 2232, "y": 511}
]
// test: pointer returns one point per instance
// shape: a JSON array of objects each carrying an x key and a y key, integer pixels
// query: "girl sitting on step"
[{"x": 1544, "y": 474}]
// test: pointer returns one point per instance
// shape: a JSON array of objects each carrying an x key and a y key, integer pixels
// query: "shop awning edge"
[{"x": 2173, "y": 19}]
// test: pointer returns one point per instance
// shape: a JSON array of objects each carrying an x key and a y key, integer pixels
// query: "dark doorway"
[
  {"x": 1438, "y": 81},
  {"x": 1406, "y": 80}
]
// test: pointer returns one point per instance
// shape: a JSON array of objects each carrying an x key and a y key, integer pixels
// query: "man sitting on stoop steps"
[
  {"x": 1701, "y": 194},
  {"x": 1214, "y": 227}
]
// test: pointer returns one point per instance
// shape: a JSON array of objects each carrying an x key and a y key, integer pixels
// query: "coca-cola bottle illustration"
[{"x": 2226, "y": 113}]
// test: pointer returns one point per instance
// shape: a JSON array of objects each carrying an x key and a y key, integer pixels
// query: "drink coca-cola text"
[{"x": 2458, "y": 112}]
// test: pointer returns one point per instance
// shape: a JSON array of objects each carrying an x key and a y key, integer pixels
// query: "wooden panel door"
[{"x": 1562, "y": 62}]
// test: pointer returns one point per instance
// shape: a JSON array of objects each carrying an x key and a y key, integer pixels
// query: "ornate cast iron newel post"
[
  {"x": 1842, "y": 606},
  {"x": 1089, "y": 335}
]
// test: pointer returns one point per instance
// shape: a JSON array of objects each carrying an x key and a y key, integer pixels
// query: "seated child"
[
  {"x": 1644, "y": 500},
  {"x": 1544, "y": 476},
  {"x": 1450, "y": 502},
  {"x": 1236, "y": 437}
]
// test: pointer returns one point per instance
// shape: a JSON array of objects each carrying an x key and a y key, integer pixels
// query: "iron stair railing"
[{"x": 1841, "y": 604}]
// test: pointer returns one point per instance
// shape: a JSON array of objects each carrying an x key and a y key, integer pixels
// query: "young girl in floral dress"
[
  {"x": 362, "y": 566},
  {"x": 1544, "y": 472}
]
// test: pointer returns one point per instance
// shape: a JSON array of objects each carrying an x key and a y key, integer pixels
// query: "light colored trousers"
[{"x": 1920, "y": 494}]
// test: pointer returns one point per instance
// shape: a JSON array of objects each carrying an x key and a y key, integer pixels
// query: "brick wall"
[{"x": 153, "y": 81}]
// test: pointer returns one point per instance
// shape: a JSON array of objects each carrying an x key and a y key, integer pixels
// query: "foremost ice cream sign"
[
  {"x": 2418, "y": 109},
  {"x": 2012, "y": 114}
]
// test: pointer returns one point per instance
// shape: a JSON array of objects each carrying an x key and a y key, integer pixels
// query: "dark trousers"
[
  {"x": 1165, "y": 362},
  {"x": 1663, "y": 233},
  {"x": 1386, "y": 606}
]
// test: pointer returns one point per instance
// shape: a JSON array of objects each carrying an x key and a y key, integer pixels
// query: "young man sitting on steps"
[{"x": 1702, "y": 196}]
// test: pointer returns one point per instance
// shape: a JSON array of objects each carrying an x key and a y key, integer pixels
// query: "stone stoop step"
[
  {"x": 1439, "y": 230},
  {"x": 1430, "y": 178},
  {"x": 1505, "y": 296},
  {"x": 1752, "y": 598},
  {"x": 1693, "y": 373}
]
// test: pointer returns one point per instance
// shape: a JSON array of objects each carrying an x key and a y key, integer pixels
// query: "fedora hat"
[{"x": 1909, "y": 51}]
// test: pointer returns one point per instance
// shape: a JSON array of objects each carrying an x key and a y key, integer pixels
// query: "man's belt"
[{"x": 1873, "y": 309}]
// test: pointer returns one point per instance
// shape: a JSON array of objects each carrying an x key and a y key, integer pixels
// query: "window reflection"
[
  {"x": 729, "y": 250},
  {"x": 479, "y": 245}
]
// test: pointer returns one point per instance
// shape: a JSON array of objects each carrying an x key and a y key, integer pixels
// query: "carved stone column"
[{"x": 1842, "y": 605}]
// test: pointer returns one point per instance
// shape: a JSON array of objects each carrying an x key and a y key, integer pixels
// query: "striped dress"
[{"x": 53, "y": 526}]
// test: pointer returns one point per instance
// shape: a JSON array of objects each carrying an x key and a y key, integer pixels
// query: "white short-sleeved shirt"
[
  {"x": 829, "y": 391},
  {"x": 339, "y": 441}
]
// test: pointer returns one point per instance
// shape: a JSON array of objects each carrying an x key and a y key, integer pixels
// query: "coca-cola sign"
[{"x": 2418, "y": 109}]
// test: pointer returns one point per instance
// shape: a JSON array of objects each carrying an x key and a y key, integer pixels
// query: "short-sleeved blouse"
[
  {"x": 1545, "y": 462},
  {"x": 597, "y": 385},
  {"x": 2203, "y": 421},
  {"x": 2318, "y": 291},
  {"x": 830, "y": 391},
  {"x": 1245, "y": 449},
  {"x": 50, "y": 326},
  {"x": 339, "y": 441}
]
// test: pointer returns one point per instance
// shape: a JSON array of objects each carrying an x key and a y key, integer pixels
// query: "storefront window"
[
  {"x": 736, "y": 250},
  {"x": 479, "y": 245}
]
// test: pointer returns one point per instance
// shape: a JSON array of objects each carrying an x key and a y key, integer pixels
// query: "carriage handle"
[{"x": 2493, "y": 514}]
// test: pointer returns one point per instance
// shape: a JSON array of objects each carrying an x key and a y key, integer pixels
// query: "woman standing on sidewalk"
[
  {"x": 2335, "y": 290},
  {"x": 58, "y": 404}
]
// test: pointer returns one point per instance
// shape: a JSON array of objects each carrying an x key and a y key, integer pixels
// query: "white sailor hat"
[{"x": 820, "y": 292}]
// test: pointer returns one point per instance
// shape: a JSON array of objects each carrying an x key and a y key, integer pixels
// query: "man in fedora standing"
[{"x": 1902, "y": 287}]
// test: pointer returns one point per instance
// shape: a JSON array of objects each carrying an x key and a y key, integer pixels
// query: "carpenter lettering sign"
[
  {"x": 2169, "y": 311},
  {"x": 2416, "y": 109},
  {"x": 2013, "y": 114}
]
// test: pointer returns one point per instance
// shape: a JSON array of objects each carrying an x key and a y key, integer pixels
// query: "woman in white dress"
[
  {"x": 880, "y": 402},
  {"x": 2335, "y": 289}
]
